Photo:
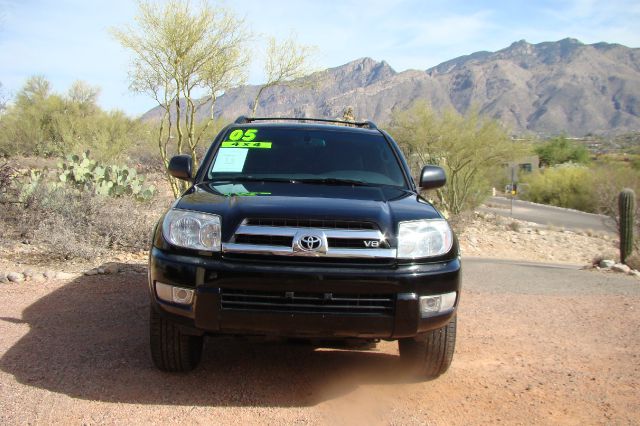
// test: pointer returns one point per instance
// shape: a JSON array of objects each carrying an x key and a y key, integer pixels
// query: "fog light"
[
  {"x": 182, "y": 295},
  {"x": 436, "y": 304},
  {"x": 172, "y": 294}
]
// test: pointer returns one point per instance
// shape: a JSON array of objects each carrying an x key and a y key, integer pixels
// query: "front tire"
[
  {"x": 171, "y": 349},
  {"x": 429, "y": 355}
]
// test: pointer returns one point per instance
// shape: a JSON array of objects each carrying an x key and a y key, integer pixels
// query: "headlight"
[
  {"x": 424, "y": 238},
  {"x": 198, "y": 231}
]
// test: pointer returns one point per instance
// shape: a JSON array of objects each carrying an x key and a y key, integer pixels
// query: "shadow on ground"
[{"x": 89, "y": 340}]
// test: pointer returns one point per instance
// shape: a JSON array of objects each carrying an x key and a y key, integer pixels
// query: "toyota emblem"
[{"x": 310, "y": 242}]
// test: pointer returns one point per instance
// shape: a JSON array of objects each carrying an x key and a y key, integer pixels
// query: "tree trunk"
[{"x": 255, "y": 101}]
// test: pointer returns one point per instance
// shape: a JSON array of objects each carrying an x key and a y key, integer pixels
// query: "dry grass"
[
  {"x": 69, "y": 224},
  {"x": 608, "y": 255},
  {"x": 514, "y": 226}
]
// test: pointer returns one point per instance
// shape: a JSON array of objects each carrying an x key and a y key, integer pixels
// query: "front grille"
[
  {"x": 311, "y": 223},
  {"x": 284, "y": 237},
  {"x": 264, "y": 240},
  {"x": 310, "y": 303}
]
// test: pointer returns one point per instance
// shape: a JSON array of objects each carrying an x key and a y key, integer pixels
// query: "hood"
[{"x": 385, "y": 206}]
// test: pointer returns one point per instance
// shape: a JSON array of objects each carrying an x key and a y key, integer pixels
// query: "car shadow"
[{"x": 89, "y": 340}]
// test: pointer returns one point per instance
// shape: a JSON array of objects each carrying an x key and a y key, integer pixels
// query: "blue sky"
[{"x": 66, "y": 40}]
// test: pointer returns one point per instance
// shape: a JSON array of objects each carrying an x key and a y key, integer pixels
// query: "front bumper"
[{"x": 212, "y": 277}]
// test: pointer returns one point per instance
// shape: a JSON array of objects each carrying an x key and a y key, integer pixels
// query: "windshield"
[{"x": 322, "y": 156}]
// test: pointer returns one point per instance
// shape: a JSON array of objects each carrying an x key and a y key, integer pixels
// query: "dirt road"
[
  {"x": 550, "y": 215},
  {"x": 535, "y": 346}
]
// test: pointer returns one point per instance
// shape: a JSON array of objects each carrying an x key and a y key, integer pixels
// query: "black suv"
[{"x": 304, "y": 228}]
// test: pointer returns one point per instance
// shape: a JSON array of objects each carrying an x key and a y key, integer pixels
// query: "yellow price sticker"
[
  {"x": 247, "y": 135},
  {"x": 242, "y": 144}
]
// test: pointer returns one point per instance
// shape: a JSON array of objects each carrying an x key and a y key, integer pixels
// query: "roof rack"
[{"x": 369, "y": 124}]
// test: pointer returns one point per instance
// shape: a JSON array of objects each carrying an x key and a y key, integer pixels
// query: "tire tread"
[
  {"x": 431, "y": 354},
  {"x": 172, "y": 350}
]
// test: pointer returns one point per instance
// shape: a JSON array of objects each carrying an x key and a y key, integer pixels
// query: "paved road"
[
  {"x": 536, "y": 345},
  {"x": 550, "y": 215}
]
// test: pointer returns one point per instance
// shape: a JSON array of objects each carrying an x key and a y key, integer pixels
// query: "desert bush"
[
  {"x": 74, "y": 224},
  {"x": 608, "y": 255},
  {"x": 7, "y": 175},
  {"x": 469, "y": 147},
  {"x": 560, "y": 150},
  {"x": 567, "y": 185},
  {"x": 41, "y": 122},
  {"x": 608, "y": 181},
  {"x": 71, "y": 223},
  {"x": 513, "y": 226},
  {"x": 461, "y": 221},
  {"x": 633, "y": 261}
]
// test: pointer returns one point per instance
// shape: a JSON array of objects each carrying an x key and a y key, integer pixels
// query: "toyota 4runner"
[{"x": 304, "y": 228}]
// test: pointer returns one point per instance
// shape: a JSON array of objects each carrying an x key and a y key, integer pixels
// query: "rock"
[
  {"x": 111, "y": 268},
  {"x": 634, "y": 273},
  {"x": 65, "y": 275},
  {"x": 15, "y": 277},
  {"x": 39, "y": 278},
  {"x": 50, "y": 275},
  {"x": 606, "y": 263},
  {"x": 3, "y": 278},
  {"x": 101, "y": 271},
  {"x": 28, "y": 273},
  {"x": 621, "y": 267},
  {"x": 91, "y": 272}
]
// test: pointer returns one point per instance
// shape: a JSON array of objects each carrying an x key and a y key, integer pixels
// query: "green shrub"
[
  {"x": 471, "y": 148},
  {"x": 43, "y": 123},
  {"x": 568, "y": 185},
  {"x": 562, "y": 150}
]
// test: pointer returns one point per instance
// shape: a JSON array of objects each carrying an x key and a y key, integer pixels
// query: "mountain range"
[{"x": 544, "y": 89}]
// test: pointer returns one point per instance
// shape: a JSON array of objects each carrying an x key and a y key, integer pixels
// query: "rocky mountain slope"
[{"x": 546, "y": 88}]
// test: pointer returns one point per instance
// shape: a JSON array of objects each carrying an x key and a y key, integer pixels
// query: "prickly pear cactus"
[
  {"x": 627, "y": 210},
  {"x": 86, "y": 174}
]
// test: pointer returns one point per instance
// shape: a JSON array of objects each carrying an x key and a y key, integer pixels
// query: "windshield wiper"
[
  {"x": 334, "y": 181},
  {"x": 313, "y": 181},
  {"x": 251, "y": 179}
]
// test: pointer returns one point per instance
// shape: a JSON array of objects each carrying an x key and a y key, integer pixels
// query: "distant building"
[{"x": 523, "y": 165}]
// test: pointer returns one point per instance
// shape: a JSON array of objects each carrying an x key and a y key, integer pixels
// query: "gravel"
[{"x": 536, "y": 345}]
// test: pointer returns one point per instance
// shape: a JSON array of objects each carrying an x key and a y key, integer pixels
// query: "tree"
[
  {"x": 560, "y": 150},
  {"x": 28, "y": 122},
  {"x": 36, "y": 89},
  {"x": 41, "y": 122},
  {"x": 84, "y": 96},
  {"x": 286, "y": 61},
  {"x": 469, "y": 147},
  {"x": 348, "y": 115},
  {"x": 184, "y": 58}
]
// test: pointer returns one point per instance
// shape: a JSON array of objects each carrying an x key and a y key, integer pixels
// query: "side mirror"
[
  {"x": 180, "y": 167},
  {"x": 432, "y": 177}
]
